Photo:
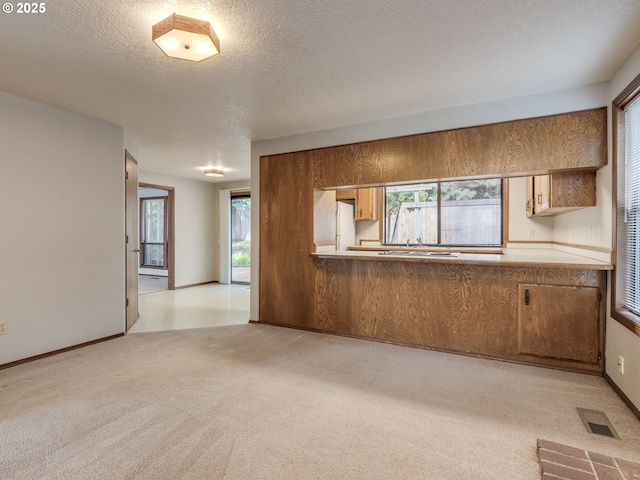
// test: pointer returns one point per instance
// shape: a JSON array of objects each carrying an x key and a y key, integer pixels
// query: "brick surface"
[
  {"x": 562, "y": 462},
  {"x": 630, "y": 470},
  {"x": 564, "y": 449},
  {"x": 566, "y": 460},
  {"x": 565, "y": 472},
  {"x": 607, "y": 473},
  {"x": 602, "y": 459}
]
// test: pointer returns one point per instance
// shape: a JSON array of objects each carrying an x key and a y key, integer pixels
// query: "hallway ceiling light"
[
  {"x": 186, "y": 38},
  {"x": 213, "y": 172}
]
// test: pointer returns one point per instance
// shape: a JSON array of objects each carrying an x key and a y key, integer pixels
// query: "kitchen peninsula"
[{"x": 541, "y": 307}]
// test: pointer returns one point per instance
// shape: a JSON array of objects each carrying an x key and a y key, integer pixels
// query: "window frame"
[
  {"x": 503, "y": 212},
  {"x": 619, "y": 311},
  {"x": 165, "y": 259}
]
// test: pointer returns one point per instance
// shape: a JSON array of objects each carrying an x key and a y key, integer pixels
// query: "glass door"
[{"x": 240, "y": 238}]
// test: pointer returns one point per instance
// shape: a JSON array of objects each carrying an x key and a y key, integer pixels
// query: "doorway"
[
  {"x": 240, "y": 237},
  {"x": 157, "y": 252}
]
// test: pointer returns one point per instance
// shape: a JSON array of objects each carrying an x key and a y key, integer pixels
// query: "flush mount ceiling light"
[
  {"x": 213, "y": 172},
  {"x": 186, "y": 38}
]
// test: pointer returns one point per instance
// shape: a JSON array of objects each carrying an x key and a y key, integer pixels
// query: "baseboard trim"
[
  {"x": 196, "y": 284},
  {"x": 255, "y": 322},
  {"x": 56, "y": 352},
  {"x": 622, "y": 395},
  {"x": 433, "y": 349}
]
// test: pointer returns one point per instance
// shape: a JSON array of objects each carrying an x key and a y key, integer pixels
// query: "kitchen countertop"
[{"x": 530, "y": 257}]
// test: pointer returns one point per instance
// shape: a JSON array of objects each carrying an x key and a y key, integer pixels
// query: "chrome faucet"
[
  {"x": 408, "y": 242},
  {"x": 419, "y": 239}
]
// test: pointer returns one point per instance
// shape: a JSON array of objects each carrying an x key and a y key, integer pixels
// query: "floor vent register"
[{"x": 597, "y": 422}]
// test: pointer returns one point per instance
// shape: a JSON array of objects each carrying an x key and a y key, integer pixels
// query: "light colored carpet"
[{"x": 260, "y": 402}]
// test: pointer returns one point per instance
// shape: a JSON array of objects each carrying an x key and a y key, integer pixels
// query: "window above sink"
[{"x": 456, "y": 213}]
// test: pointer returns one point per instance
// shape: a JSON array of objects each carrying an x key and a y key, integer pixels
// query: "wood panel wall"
[
  {"x": 286, "y": 239},
  {"x": 469, "y": 309}
]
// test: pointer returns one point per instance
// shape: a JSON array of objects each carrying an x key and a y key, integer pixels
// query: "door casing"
[{"x": 170, "y": 231}]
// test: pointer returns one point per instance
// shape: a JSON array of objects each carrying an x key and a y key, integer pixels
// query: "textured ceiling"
[{"x": 291, "y": 67}]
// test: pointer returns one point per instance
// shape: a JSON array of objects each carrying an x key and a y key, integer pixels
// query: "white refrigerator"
[{"x": 345, "y": 226}]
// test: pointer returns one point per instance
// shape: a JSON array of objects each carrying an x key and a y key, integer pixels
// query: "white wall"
[
  {"x": 62, "y": 220},
  {"x": 582, "y": 98},
  {"x": 196, "y": 220},
  {"x": 367, "y": 230},
  {"x": 590, "y": 226},
  {"x": 224, "y": 236},
  {"x": 519, "y": 224},
  {"x": 620, "y": 340}
]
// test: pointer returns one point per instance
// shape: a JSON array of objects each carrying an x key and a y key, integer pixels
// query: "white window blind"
[{"x": 628, "y": 264}]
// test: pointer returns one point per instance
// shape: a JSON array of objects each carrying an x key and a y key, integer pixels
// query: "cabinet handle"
[
  {"x": 360, "y": 213},
  {"x": 527, "y": 297},
  {"x": 528, "y": 204},
  {"x": 539, "y": 199}
]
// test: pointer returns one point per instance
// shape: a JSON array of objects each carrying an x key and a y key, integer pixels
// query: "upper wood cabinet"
[
  {"x": 575, "y": 141},
  {"x": 366, "y": 206},
  {"x": 559, "y": 322},
  {"x": 348, "y": 194},
  {"x": 366, "y": 201},
  {"x": 558, "y": 193},
  {"x": 530, "y": 197}
]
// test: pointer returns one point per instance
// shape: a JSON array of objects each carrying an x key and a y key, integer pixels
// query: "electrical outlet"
[
  {"x": 532, "y": 232},
  {"x": 621, "y": 364},
  {"x": 589, "y": 233},
  {"x": 4, "y": 328},
  {"x": 599, "y": 233}
]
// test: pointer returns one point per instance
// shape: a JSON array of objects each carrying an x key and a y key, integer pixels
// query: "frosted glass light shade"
[
  {"x": 214, "y": 172},
  {"x": 186, "y": 38}
]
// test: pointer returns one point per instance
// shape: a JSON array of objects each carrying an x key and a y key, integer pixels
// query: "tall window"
[
  {"x": 152, "y": 232},
  {"x": 627, "y": 275},
  {"x": 460, "y": 213}
]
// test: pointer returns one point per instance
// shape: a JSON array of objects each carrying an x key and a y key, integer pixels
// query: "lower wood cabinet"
[
  {"x": 464, "y": 308},
  {"x": 559, "y": 322}
]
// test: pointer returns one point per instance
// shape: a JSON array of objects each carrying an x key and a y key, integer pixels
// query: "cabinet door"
[
  {"x": 561, "y": 193},
  {"x": 366, "y": 204},
  {"x": 541, "y": 191},
  {"x": 570, "y": 191},
  {"x": 348, "y": 194},
  {"x": 530, "y": 196},
  {"x": 556, "y": 321}
]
